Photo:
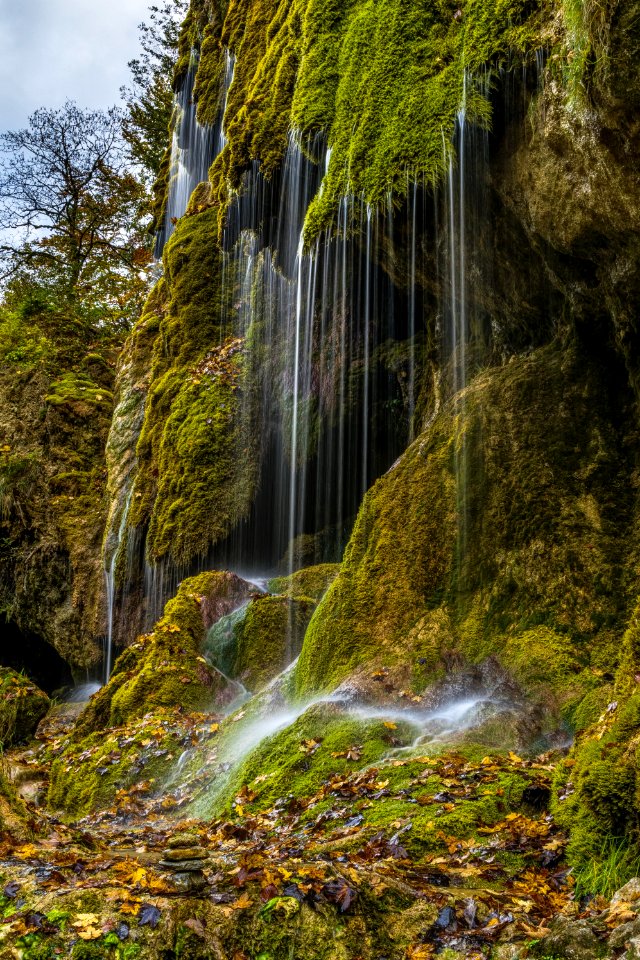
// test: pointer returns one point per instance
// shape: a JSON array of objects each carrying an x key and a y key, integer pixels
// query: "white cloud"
[{"x": 53, "y": 50}]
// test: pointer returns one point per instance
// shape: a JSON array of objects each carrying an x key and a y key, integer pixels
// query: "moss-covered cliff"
[{"x": 56, "y": 402}]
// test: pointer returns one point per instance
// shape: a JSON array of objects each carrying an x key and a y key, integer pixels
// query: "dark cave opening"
[{"x": 29, "y": 653}]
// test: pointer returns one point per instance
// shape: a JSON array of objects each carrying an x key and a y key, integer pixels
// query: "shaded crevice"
[{"x": 28, "y": 653}]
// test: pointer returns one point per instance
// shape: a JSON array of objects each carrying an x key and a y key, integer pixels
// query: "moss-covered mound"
[
  {"x": 496, "y": 533},
  {"x": 166, "y": 668},
  {"x": 311, "y": 582},
  {"x": 296, "y": 760},
  {"x": 22, "y": 707},
  {"x": 119, "y": 766},
  {"x": 255, "y": 644}
]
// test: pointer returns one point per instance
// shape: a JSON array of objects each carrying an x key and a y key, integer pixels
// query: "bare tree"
[{"x": 70, "y": 206}]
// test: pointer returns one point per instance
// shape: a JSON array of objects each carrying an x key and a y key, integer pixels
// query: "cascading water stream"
[
  {"x": 194, "y": 147},
  {"x": 110, "y": 587}
]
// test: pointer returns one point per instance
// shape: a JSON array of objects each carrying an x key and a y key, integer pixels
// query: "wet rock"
[
  {"x": 189, "y": 853},
  {"x": 184, "y": 859},
  {"x": 184, "y": 840},
  {"x": 621, "y": 936},
  {"x": 183, "y": 866},
  {"x": 570, "y": 940},
  {"x": 22, "y": 707},
  {"x": 506, "y": 951},
  {"x": 188, "y": 882},
  {"x": 629, "y": 893}
]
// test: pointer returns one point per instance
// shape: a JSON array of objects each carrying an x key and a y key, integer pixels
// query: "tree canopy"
[
  {"x": 149, "y": 100},
  {"x": 70, "y": 210}
]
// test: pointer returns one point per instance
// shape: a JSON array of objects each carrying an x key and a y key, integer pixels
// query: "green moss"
[
  {"x": 91, "y": 771},
  {"x": 300, "y": 758},
  {"x": 310, "y": 582},
  {"x": 381, "y": 80},
  {"x": 22, "y": 707},
  {"x": 255, "y": 644},
  {"x": 206, "y": 92},
  {"x": 197, "y": 451},
  {"x": 76, "y": 391},
  {"x": 597, "y": 786},
  {"x": 386, "y": 576}
]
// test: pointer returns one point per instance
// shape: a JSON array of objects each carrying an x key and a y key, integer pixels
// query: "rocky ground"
[{"x": 451, "y": 854}]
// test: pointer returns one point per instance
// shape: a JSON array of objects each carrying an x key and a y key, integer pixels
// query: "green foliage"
[
  {"x": 149, "y": 100},
  {"x": 616, "y": 865},
  {"x": 85, "y": 235}
]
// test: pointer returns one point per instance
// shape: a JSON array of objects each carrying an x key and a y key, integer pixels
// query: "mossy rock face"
[
  {"x": 198, "y": 452},
  {"x": 325, "y": 66},
  {"x": 495, "y": 534},
  {"x": 311, "y": 582},
  {"x": 56, "y": 397},
  {"x": 22, "y": 707},
  {"x": 255, "y": 644},
  {"x": 166, "y": 668}
]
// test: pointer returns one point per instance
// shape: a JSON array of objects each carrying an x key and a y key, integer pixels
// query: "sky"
[{"x": 54, "y": 50}]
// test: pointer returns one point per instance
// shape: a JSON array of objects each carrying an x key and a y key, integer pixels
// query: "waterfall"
[
  {"x": 227, "y": 80},
  {"x": 464, "y": 220},
  {"x": 110, "y": 575},
  {"x": 335, "y": 397},
  {"x": 194, "y": 147},
  {"x": 334, "y": 338}
]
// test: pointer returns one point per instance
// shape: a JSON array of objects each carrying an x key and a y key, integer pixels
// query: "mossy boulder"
[
  {"x": 495, "y": 534},
  {"x": 166, "y": 668},
  {"x": 310, "y": 582},
  {"x": 22, "y": 707},
  {"x": 256, "y": 643}
]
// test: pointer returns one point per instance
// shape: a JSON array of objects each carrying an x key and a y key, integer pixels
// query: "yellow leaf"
[
  {"x": 390, "y": 725},
  {"x": 85, "y": 920},
  {"x": 242, "y": 903}
]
